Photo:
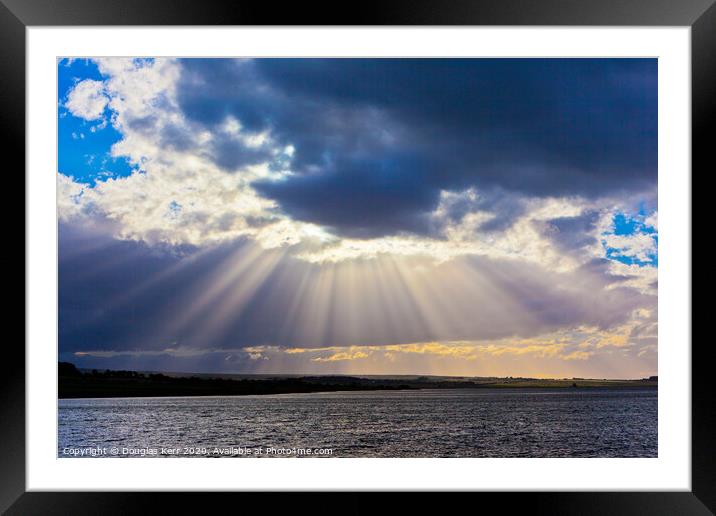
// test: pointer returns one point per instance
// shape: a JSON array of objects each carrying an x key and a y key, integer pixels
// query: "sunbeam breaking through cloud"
[{"x": 391, "y": 216}]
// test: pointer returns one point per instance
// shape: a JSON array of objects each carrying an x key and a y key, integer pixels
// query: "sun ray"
[
  {"x": 246, "y": 280},
  {"x": 198, "y": 298}
]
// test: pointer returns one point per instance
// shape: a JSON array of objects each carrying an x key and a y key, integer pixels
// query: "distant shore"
[{"x": 74, "y": 383}]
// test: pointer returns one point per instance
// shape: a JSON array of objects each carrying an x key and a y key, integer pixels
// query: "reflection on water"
[{"x": 428, "y": 423}]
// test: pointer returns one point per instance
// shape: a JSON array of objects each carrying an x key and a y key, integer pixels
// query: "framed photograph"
[{"x": 398, "y": 250}]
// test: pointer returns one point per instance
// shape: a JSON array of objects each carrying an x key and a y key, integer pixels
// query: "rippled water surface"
[{"x": 426, "y": 423}]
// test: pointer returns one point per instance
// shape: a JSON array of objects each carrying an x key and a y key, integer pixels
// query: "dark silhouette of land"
[{"x": 75, "y": 383}]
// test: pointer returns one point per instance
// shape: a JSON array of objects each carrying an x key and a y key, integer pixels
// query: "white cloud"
[
  {"x": 642, "y": 278},
  {"x": 640, "y": 246},
  {"x": 87, "y": 99},
  {"x": 70, "y": 203},
  {"x": 652, "y": 220}
]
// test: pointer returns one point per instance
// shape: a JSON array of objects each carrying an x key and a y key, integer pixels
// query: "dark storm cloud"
[
  {"x": 377, "y": 139},
  {"x": 571, "y": 233},
  {"x": 359, "y": 198}
]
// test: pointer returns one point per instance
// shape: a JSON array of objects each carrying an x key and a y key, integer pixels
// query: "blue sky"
[
  {"x": 629, "y": 225},
  {"x": 84, "y": 146},
  {"x": 205, "y": 204}
]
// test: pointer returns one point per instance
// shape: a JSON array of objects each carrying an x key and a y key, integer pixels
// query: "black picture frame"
[{"x": 700, "y": 15}]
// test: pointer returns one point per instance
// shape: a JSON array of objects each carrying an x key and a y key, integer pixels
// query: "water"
[{"x": 427, "y": 423}]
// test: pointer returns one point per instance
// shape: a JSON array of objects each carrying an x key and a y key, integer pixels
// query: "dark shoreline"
[{"x": 73, "y": 384}]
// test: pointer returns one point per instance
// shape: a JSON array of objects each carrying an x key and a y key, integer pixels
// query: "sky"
[{"x": 470, "y": 217}]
